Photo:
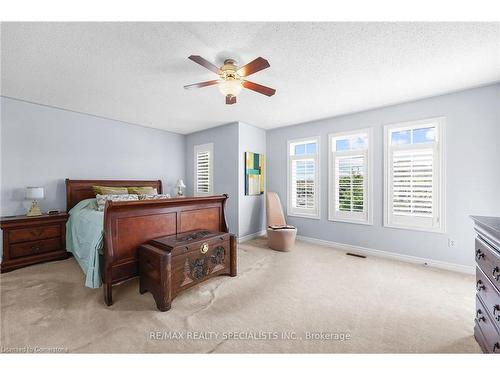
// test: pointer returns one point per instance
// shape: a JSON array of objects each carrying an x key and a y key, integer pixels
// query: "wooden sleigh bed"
[{"x": 129, "y": 224}]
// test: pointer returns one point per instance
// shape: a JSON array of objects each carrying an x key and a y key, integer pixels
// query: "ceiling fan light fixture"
[
  {"x": 232, "y": 78},
  {"x": 230, "y": 87}
]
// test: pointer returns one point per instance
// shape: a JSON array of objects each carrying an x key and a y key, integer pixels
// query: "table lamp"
[
  {"x": 34, "y": 193},
  {"x": 180, "y": 186}
]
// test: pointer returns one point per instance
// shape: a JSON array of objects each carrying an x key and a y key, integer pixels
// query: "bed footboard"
[{"x": 129, "y": 224}]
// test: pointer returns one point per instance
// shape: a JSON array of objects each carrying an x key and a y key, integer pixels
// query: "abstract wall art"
[{"x": 254, "y": 173}]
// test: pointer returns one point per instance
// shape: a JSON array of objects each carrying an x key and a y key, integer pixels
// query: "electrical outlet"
[{"x": 451, "y": 243}]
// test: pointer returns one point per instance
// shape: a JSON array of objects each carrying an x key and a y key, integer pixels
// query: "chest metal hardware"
[{"x": 204, "y": 248}]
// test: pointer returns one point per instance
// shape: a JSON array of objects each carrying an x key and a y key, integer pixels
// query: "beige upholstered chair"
[{"x": 280, "y": 236}]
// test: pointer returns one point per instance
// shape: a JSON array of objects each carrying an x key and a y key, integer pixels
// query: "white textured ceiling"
[{"x": 135, "y": 72}]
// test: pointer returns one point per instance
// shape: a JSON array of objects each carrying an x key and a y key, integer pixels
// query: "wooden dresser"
[
  {"x": 31, "y": 240},
  {"x": 487, "y": 250}
]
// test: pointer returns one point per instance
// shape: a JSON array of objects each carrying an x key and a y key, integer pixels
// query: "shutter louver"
[
  {"x": 350, "y": 175},
  {"x": 303, "y": 184},
  {"x": 203, "y": 172},
  {"x": 413, "y": 183}
]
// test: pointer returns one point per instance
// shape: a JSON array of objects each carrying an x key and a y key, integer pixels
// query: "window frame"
[
  {"x": 203, "y": 148},
  {"x": 439, "y": 167},
  {"x": 303, "y": 213},
  {"x": 368, "y": 196}
]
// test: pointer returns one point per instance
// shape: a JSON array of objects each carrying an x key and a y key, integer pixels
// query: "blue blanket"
[{"x": 84, "y": 239}]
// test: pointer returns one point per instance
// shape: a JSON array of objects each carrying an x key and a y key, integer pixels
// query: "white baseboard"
[
  {"x": 251, "y": 236},
  {"x": 387, "y": 254}
]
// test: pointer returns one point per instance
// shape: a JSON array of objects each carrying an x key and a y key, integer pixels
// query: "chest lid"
[{"x": 188, "y": 240}]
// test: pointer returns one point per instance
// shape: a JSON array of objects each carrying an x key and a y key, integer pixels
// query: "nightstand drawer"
[
  {"x": 34, "y": 247},
  {"x": 35, "y": 233},
  {"x": 31, "y": 240}
]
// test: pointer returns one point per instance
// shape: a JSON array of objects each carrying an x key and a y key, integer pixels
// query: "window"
[
  {"x": 349, "y": 177},
  {"x": 203, "y": 169},
  {"x": 303, "y": 178},
  {"x": 414, "y": 175}
]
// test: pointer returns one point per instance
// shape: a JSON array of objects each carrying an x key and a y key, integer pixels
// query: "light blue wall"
[
  {"x": 41, "y": 146},
  {"x": 251, "y": 207},
  {"x": 225, "y": 140},
  {"x": 472, "y": 179},
  {"x": 244, "y": 214}
]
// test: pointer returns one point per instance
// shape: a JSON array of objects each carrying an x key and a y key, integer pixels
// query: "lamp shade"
[
  {"x": 180, "y": 183},
  {"x": 34, "y": 192},
  {"x": 230, "y": 87}
]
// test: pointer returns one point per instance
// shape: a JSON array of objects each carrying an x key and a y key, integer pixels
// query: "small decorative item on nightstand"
[
  {"x": 34, "y": 193},
  {"x": 33, "y": 239},
  {"x": 180, "y": 186}
]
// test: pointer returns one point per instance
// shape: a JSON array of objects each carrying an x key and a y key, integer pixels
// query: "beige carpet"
[{"x": 273, "y": 305}]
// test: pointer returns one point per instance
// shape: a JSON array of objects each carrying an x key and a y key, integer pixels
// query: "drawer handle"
[
  {"x": 479, "y": 316},
  {"x": 479, "y": 254},
  {"x": 204, "y": 248},
  {"x": 496, "y": 347},
  {"x": 480, "y": 286},
  {"x": 496, "y": 310},
  {"x": 496, "y": 273},
  {"x": 35, "y": 248}
]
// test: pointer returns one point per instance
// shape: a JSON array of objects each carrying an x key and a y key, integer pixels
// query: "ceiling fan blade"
[
  {"x": 199, "y": 85},
  {"x": 207, "y": 64},
  {"x": 230, "y": 99},
  {"x": 259, "y": 88},
  {"x": 253, "y": 67}
]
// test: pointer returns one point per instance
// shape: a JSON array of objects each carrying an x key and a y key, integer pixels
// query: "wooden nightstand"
[{"x": 31, "y": 240}]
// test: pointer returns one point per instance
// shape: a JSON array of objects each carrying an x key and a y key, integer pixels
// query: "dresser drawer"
[
  {"x": 488, "y": 260},
  {"x": 490, "y": 335},
  {"x": 35, "y": 247},
  {"x": 489, "y": 296},
  {"x": 34, "y": 233},
  {"x": 478, "y": 335}
]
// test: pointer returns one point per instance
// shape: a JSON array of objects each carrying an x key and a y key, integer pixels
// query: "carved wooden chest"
[{"x": 168, "y": 265}]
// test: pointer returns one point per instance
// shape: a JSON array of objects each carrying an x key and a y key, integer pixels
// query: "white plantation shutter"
[
  {"x": 413, "y": 181},
  {"x": 303, "y": 183},
  {"x": 303, "y": 178},
  {"x": 414, "y": 170},
  {"x": 203, "y": 158},
  {"x": 350, "y": 187},
  {"x": 203, "y": 168},
  {"x": 349, "y": 177}
]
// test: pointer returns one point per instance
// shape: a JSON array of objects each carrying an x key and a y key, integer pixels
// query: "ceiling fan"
[{"x": 231, "y": 80}]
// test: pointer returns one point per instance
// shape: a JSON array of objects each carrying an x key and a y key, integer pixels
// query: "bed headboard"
[{"x": 78, "y": 190}]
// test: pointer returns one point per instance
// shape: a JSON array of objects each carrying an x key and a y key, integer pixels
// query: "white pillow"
[
  {"x": 101, "y": 199},
  {"x": 153, "y": 196}
]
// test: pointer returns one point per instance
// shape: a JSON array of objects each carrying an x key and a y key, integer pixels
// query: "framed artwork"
[{"x": 254, "y": 173}]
